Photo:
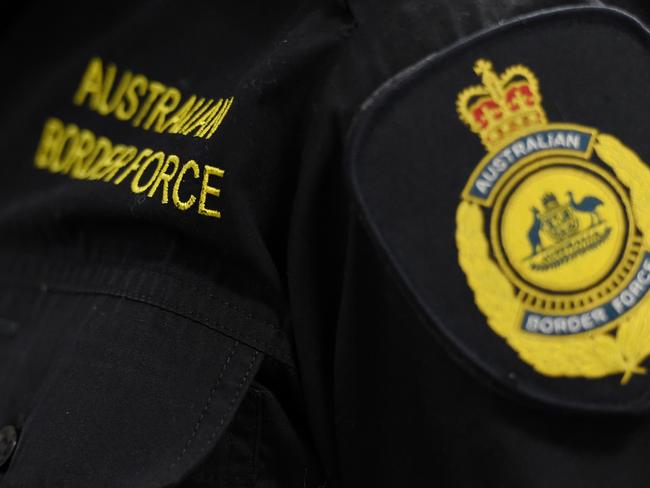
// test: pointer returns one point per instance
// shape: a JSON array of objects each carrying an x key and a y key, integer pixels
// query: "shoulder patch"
[{"x": 516, "y": 211}]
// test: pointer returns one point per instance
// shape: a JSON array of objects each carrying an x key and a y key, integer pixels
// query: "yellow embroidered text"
[
  {"x": 148, "y": 104},
  {"x": 80, "y": 154}
]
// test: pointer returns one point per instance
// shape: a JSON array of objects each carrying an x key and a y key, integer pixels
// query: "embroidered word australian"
[
  {"x": 149, "y": 104},
  {"x": 79, "y": 153}
]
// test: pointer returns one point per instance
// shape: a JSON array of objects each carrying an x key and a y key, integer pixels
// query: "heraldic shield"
[
  {"x": 561, "y": 265},
  {"x": 513, "y": 205}
]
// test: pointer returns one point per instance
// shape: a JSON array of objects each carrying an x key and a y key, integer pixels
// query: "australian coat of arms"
[{"x": 553, "y": 233}]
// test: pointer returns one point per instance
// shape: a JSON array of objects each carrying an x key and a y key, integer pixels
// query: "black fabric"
[
  {"x": 416, "y": 226},
  {"x": 154, "y": 321},
  {"x": 408, "y": 415},
  {"x": 133, "y": 393},
  {"x": 144, "y": 345},
  {"x": 259, "y": 449}
]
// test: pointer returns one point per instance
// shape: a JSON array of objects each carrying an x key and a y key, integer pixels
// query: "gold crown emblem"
[{"x": 503, "y": 106}]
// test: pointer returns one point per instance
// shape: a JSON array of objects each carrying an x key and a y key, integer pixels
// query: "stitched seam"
[
  {"x": 259, "y": 420},
  {"x": 232, "y": 402},
  {"x": 265, "y": 346},
  {"x": 246, "y": 313},
  {"x": 149, "y": 300},
  {"x": 188, "y": 284},
  {"x": 206, "y": 406}
]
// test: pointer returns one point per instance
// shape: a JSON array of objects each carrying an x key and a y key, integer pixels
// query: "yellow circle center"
[{"x": 562, "y": 228}]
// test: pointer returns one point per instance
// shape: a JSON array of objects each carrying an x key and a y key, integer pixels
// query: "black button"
[{"x": 8, "y": 439}]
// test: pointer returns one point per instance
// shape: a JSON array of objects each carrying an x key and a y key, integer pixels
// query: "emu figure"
[{"x": 587, "y": 205}]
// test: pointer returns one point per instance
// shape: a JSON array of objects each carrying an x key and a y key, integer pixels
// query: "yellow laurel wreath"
[{"x": 590, "y": 355}]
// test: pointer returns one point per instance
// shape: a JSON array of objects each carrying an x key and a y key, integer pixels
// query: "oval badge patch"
[
  {"x": 506, "y": 181},
  {"x": 547, "y": 234}
]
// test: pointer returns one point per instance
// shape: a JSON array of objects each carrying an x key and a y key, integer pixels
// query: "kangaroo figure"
[{"x": 533, "y": 233}]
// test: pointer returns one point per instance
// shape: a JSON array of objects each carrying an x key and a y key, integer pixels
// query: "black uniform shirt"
[{"x": 248, "y": 244}]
